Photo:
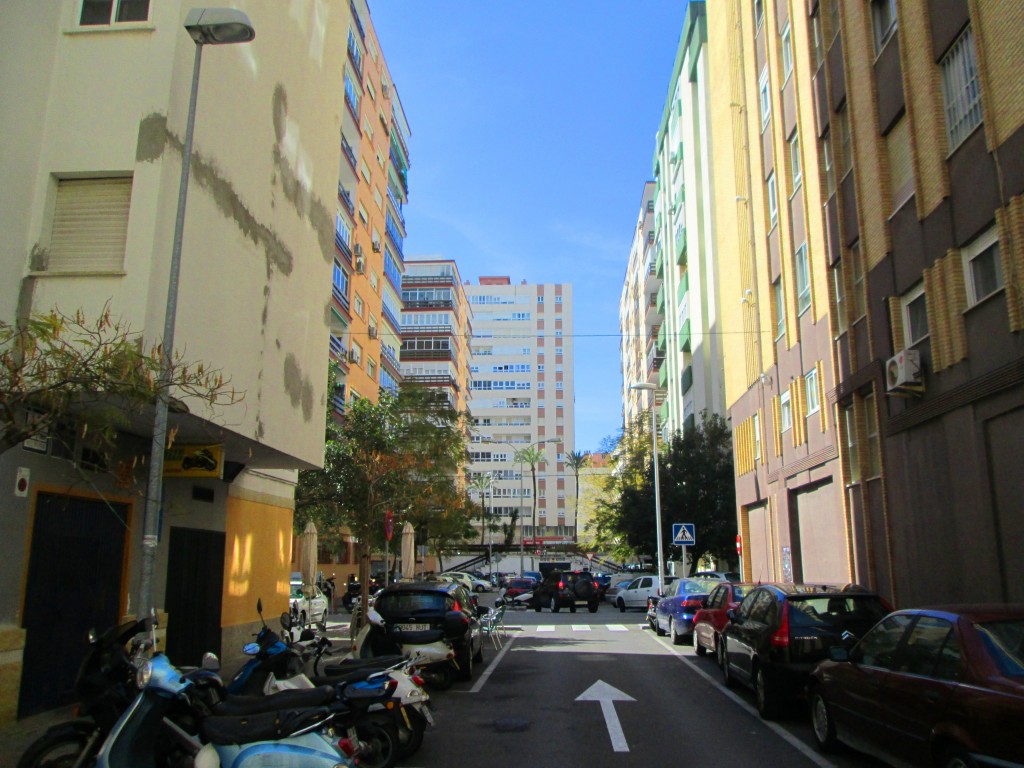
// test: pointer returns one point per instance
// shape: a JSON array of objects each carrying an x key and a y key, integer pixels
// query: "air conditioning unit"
[
  {"x": 386, "y": 91},
  {"x": 376, "y": 246},
  {"x": 360, "y": 264},
  {"x": 903, "y": 372},
  {"x": 358, "y": 250},
  {"x": 372, "y": 332},
  {"x": 353, "y": 356}
]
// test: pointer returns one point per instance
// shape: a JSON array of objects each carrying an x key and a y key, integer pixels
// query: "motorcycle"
[
  {"x": 434, "y": 661},
  {"x": 295, "y": 726}
]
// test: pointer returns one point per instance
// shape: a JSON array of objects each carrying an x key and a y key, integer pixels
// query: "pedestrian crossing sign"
[{"x": 683, "y": 533}]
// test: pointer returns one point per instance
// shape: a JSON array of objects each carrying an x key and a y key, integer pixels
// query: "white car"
[
  {"x": 468, "y": 580},
  {"x": 635, "y": 594},
  {"x": 308, "y": 604}
]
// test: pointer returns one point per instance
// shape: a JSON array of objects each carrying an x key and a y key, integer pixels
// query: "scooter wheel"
[
  {"x": 62, "y": 745},
  {"x": 411, "y": 739},
  {"x": 378, "y": 744},
  {"x": 439, "y": 677}
]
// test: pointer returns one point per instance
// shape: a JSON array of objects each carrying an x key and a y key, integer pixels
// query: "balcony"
[
  {"x": 350, "y": 154},
  {"x": 427, "y": 354},
  {"x": 345, "y": 198},
  {"x": 394, "y": 235},
  {"x": 660, "y": 300},
  {"x": 652, "y": 315},
  {"x": 659, "y": 264},
  {"x": 396, "y": 204},
  {"x": 387, "y": 355},
  {"x": 663, "y": 377},
  {"x": 342, "y": 246},
  {"x": 390, "y": 317},
  {"x": 681, "y": 245},
  {"x": 421, "y": 280},
  {"x": 653, "y": 362},
  {"x": 662, "y": 340},
  {"x": 427, "y": 330},
  {"x": 684, "y": 337},
  {"x": 687, "y": 380},
  {"x": 432, "y": 380},
  {"x": 340, "y": 297},
  {"x": 432, "y": 304},
  {"x": 338, "y": 347},
  {"x": 355, "y": 57},
  {"x": 355, "y": 18}
]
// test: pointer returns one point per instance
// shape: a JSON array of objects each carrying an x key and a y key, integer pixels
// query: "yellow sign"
[{"x": 194, "y": 461}]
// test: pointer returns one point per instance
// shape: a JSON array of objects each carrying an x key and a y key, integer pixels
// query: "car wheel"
[
  {"x": 699, "y": 649},
  {"x": 954, "y": 757},
  {"x": 592, "y": 607},
  {"x": 677, "y": 639},
  {"x": 572, "y": 608},
  {"x": 622, "y": 605},
  {"x": 554, "y": 605},
  {"x": 656, "y": 626},
  {"x": 323, "y": 621},
  {"x": 821, "y": 722},
  {"x": 478, "y": 588},
  {"x": 723, "y": 662},
  {"x": 767, "y": 705},
  {"x": 302, "y": 619},
  {"x": 479, "y": 655},
  {"x": 465, "y": 661}
]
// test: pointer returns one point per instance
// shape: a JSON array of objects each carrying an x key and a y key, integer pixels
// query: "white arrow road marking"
[{"x": 607, "y": 695}]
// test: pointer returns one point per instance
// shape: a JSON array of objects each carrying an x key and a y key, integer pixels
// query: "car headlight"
[{"x": 144, "y": 674}]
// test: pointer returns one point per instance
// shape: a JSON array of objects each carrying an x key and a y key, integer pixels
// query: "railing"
[
  {"x": 349, "y": 153},
  {"x": 390, "y": 317},
  {"x": 396, "y": 204},
  {"x": 355, "y": 57},
  {"x": 389, "y": 357},
  {"x": 427, "y": 354},
  {"x": 430, "y": 330},
  {"x": 342, "y": 246},
  {"x": 337, "y": 346},
  {"x": 355, "y": 18},
  {"x": 433, "y": 380},
  {"x": 338, "y": 401},
  {"x": 428, "y": 279},
  {"x": 339, "y": 297},
  {"x": 432, "y": 304},
  {"x": 394, "y": 235},
  {"x": 346, "y": 199}
]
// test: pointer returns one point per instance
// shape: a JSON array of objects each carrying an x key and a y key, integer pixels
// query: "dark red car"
[
  {"x": 709, "y": 620},
  {"x": 928, "y": 687},
  {"x": 517, "y": 587}
]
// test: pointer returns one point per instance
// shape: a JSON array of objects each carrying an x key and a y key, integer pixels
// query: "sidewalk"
[{"x": 17, "y": 736}]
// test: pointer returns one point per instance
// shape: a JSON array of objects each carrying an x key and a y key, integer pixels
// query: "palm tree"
[
  {"x": 532, "y": 456},
  {"x": 576, "y": 462},
  {"x": 481, "y": 483}
]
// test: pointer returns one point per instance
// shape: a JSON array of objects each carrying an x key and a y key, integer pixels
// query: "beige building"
[
  {"x": 91, "y": 159},
  {"x": 523, "y": 385}
]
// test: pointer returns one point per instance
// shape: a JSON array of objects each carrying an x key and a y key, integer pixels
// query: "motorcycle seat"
[
  {"x": 303, "y": 698},
  {"x": 265, "y": 726},
  {"x": 374, "y": 664}
]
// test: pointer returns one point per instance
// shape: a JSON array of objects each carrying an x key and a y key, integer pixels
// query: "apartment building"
[
  {"x": 373, "y": 189},
  {"x": 640, "y": 319},
  {"x": 876, "y": 393},
  {"x": 437, "y": 326},
  {"x": 689, "y": 337},
  {"x": 523, "y": 398},
  {"x": 92, "y": 159},
  {"x": 775, "y": 295}
]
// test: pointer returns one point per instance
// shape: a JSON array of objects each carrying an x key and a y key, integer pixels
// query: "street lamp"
[
  {"x": 657, "y": 493},
  {"x": 206, "y": 26}
]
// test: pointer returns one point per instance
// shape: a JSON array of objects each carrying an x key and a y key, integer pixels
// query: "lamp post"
[
  {"x": 206, "y": 26},
  {"x": 657, "y": 492}
]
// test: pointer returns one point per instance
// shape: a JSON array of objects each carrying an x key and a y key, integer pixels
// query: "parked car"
[
  {"x": 674, "y": 612},
  {"x": 781, "y": 631},
  {"x": 566, "y": 589},
  {"x": 603, "y": 581},
  {"x": 468, "y": 580},
  {"x": 500, "y": 579},
  {"x": 307, "y": 604},
  {"x": 711, "y": 619},
  {"x": 928, "y": 687},
  {"x": 426, "y": 610},
  {"x": 635, "y": 594},
  {"x": 516, "y": 587},
  {"x": 535, "y": 575},
  {"x": 723, "y": 575},
  {"x": 616, "y": 584}
]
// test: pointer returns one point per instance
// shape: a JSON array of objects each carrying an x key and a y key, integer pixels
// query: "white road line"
[
  {"x": 546, "y": 628},
  {"x": 580, "y": 627},
  {"x": 490, "y": 668},
  {"x": 617, "y": 628},
  {"x": 785, "y": 735}
]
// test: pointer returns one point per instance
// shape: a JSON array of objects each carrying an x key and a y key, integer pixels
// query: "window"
[
  {"x": 758, "y": 13},
  {"x": 923, "y": 650},
  {"x": 773, "y": 201},
  {"x": 780, "y": 309},
  {"x": 90, "y": 225},
  {"x": 915, "y": 315},
  {"x": 983, "y": 266},
  {"x": 843, "y": 124},
  {"x": 883, "y": 19},
  {"x": 819, "y": 40},
  {"x": 834, "y": 17},
  {"x": 830, "y": 170},
  {"x": 961, "y": 90},
  {"x": 811, "y": 387},
  {"x": 766, "y": 99},
  {"x": 787, "y": 53},
  {"x": 850, "y": 422},
  {"x": 113, "y": 11},
  {"x": 787, "y": 412},
  {"x": 794, "y": 159},
  {"x": 874, "y": 467},
  {"x": 839, "y": 291},
  {"x": 803, "y": 279},
  {"x": 860, "y": 296},
  {"x": 878, "y": 648}
]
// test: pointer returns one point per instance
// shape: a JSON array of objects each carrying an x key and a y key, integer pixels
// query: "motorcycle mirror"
[
  {"x": 210, "y": 661},
  {"x": 251, "y": 649},
  {"x": 375, "y": 618},
  {"x": 259, "y": 605},
  {"x": 286, "y": 621}
]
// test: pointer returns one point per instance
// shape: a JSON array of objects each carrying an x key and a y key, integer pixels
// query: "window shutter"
[
  {"x": 821, "y": 395},
  {"x": 90, "y": 225}
]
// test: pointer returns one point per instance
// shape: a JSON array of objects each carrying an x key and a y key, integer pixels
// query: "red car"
[
  {"x": 519, "y": 587},
  {"x": 709, "y": 621},
  {"x": 928, "y": 687}
]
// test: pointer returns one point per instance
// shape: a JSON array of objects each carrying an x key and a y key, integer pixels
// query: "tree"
[
  {"x": 402, "y": 453},
  {"x": 532, "y": 455},
  {"x": 481, "y": 483},
  {"x": 56, "y": 368},
  {"x": 577, "y": 461}
]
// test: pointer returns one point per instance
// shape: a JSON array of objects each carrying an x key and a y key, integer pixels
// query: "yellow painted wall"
[{"x": 256, "y": 560}]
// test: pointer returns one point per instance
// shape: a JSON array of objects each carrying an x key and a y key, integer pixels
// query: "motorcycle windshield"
[{"x": 133, "y": 740}]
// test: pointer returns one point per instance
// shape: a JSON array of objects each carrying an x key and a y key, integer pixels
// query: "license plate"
[{"x": 414, "y": 627}]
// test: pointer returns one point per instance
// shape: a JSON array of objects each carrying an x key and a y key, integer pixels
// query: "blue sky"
[{"x": 533, "y": 127}]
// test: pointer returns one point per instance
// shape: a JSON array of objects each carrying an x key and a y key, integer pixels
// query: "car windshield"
[
  {"x": 411, "y": 602},
  {"x": 296, "y": 591},
  {"x": 825, "y": 610},
  {"x": 697, "y": 586},
  {"x": 1005, "y": 643}
]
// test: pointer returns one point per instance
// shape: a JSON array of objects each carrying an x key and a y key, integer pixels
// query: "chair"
[{"x": 493, "y": 625}]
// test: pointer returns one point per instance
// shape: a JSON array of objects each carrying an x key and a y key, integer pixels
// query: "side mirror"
[
  {"x": 259, "y": 605},
  {"x": 839, "y": 653},
  {"x": 210, "y": 661},
  {"x": 733, "y": 616},
  {"x": 375, "y": 618},
  {"x": 286, "y": 621}
]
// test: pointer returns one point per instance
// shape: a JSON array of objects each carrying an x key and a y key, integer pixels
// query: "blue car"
[{"x": 673, "y": 614}]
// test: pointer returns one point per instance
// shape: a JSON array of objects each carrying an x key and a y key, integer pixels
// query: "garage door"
[
  {"x": 762, "y": 563},
  {"x": 822, "y": 542}
]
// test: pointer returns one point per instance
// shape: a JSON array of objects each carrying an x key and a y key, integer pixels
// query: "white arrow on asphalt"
[{"x": 607, "y": 695}]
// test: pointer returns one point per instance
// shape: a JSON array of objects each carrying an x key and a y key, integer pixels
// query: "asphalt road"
[{"x": 601, "y": 689}]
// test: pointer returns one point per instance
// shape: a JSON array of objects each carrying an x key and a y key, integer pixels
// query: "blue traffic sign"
[{"x": 683, "y": 533}]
